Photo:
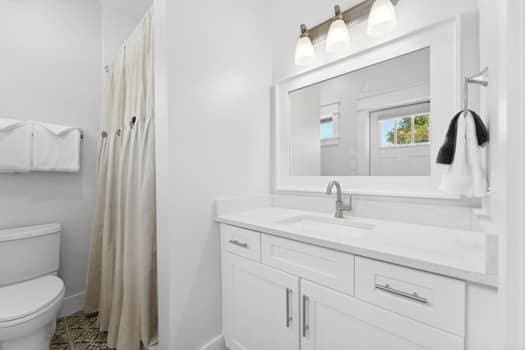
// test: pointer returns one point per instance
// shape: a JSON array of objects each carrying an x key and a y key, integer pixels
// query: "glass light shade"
[
  {"x": 382, "y": 19},
  {"x": 338, "y": 39},
  {"x": 304, "y": 51}
]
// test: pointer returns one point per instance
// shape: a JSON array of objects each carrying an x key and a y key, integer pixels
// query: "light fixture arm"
[
  {"x": 338, "y": 13},
  {"x": 304, "y": 31}
]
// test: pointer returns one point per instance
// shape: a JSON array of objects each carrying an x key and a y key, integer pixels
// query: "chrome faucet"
[{"x": 340, "y": 207}]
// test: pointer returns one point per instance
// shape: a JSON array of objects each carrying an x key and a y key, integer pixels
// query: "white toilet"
[{"x": 30, "y": 293}]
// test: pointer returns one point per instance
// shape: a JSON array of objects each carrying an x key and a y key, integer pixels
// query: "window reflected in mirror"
[
  {"x": 407, "y": 130},
  {"x": 400, "y": 141}
]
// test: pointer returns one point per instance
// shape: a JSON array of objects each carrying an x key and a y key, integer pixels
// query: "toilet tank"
[{"x": 29, "y": 252}]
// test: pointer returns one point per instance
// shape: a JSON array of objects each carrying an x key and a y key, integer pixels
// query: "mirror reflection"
[{"x": 371, "y": 122}]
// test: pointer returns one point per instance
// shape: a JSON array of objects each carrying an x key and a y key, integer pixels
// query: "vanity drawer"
[
  {"x": 241, "y": 242},
  {"x": 323, "y": 266},
  {"x": 431, "y": 299}
]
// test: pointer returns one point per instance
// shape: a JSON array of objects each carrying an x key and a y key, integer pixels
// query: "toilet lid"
[{"x": 26, "y": 298}]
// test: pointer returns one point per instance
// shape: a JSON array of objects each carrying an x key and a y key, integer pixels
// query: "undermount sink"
[{"x": 321, "y": 226}]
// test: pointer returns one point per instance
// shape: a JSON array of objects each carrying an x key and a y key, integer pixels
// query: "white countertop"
[{"x": 454, "y": 253}]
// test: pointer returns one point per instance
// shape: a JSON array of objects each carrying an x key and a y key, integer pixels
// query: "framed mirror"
[{"x": 374, "y": 120}]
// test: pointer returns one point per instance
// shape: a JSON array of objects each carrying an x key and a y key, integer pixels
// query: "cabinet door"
[
  {"x": 261, "y": 306},
  {"x": 333, "y": 321}
]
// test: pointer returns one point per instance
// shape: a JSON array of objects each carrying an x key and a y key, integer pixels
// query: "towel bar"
[{"x": 479, "y": 79}]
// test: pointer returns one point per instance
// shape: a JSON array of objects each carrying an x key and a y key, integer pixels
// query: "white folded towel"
[
  {"x": 467, "y": 175},
  {"x": 15, "y": 146},
  {"x": 55, "y": 148}
]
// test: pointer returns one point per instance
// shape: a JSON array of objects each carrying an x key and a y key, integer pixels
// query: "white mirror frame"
[{"x": 444, "y": 42}]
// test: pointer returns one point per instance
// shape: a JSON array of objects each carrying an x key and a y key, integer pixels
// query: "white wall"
[
  {"x": 51, "y": 59},
  {"x": 119, "y": 19},
  {"x": 163, "y": 180},
  {"x": 217, "y": 144},
  {"x": 503, "y": 50}
]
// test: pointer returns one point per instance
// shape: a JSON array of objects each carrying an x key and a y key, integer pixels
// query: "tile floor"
[{"x": 78, "y": 332}]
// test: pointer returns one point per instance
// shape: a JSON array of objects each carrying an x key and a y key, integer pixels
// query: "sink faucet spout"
[{"x": 340, "y": 207}]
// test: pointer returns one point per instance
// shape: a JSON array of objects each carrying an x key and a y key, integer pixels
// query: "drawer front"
[
  {"x": 434, "y": 300},
  {"x": 324, "y": 266},
  {"x": 241, "y": 242}
]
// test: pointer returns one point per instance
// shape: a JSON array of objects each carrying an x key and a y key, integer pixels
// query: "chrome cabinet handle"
[
  {"x": 289, "y": 317},
  {"x": 239, "y": 244},
  {"x": 414, "y": 296},
  {"x": 306, "y": 322}
]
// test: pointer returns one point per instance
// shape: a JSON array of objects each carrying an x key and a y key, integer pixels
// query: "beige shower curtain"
[{"x": 122, "y": 277}]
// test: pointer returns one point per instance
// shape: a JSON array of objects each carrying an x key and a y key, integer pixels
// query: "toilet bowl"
[
  {"x": 31, "y": 295},
  {"x": 28, "y": 312}
]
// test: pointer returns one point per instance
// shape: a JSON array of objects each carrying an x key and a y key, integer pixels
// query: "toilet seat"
[{"x": 23, "y": 301}]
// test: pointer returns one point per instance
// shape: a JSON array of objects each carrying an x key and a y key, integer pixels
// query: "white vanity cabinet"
[{"x": 284, "y": 294}]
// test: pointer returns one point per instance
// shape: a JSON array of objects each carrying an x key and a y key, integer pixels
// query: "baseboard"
[
  {"x": 72, "y": 304},
  {"x": 216, "y": 343}
]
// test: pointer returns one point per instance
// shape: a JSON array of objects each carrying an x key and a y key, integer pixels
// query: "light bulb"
[
  {"x": 382, "y": 19},
  {"x": 338, "y": 38},
  {"x": 304, "y": 51}
]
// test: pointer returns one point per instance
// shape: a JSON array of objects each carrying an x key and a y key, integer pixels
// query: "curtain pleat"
[{"x": 122, "y": 276}]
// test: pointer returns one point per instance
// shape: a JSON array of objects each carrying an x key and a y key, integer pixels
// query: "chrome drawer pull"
[
  {"x": 239, "y": 244},
  {"x": 414, "y": 296},
  {"x": 289, "y": 317}
]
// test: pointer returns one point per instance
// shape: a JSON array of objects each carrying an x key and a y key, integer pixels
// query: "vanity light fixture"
[
  {"x": 382, "y": 19},
  {"x": 338, "y": 38},
  {"x": 304, "y": 51}
]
